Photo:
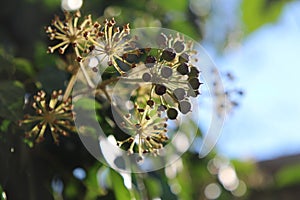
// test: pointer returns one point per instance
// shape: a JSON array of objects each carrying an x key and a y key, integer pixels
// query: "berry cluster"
[{"x": 166, "y": 78}]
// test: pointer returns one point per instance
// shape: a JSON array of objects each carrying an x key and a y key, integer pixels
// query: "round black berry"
[
  {"x": 150, "y": 103},
  {"x": 150, "y": 60},
  {"x": 172, "y": 113},
  {"x": 184, "y": 57},
  {"x": 168, "y": 54},
  {"x": 194, "y": 72},
  {"x": 183, "y": 69},
  {"x": 194, "y": 83},
  {"x": 160, "y": 89}
]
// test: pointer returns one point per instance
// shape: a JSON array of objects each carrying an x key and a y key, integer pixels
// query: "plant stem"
[
  {"x": 69, "y": 87},
  {"x": 86, "y": 76}
]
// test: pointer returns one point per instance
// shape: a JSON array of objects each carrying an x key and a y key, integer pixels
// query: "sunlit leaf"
[
  {"x": 257, "y": 13},
  {"x": 185, "y": 27},
  {"x": 94, "y": 189},
  {"x": 24, "y": 66},
  {"x": 121, "y": 192},
  {"x": 153, "y": 187},
  {"x": 70, "y": 190},
  {"x": 87, "y": 104},
  {"x": 177, "y": 5},
  {"x": 289, "y": 175}
]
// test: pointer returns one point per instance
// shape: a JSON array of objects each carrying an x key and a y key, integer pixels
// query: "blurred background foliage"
[{"x": 68, "y": 171}]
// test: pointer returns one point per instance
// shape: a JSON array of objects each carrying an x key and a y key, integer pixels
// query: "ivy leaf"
[
  {"x": 288, "y": 176},
  {"x": 88, "y": 104},
  {"x": 24, "y": 66},
  {"x": 257, "y": 13},
  {"x": 121, "y": 192},
  {"x": 154, "y": 187},
  {"x": 94, "y": 188},
  {"x": 177, "y": 5},
  {"x": 11, "y": 100}
]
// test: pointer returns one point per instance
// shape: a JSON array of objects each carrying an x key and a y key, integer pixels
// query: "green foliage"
[
  {"x": 256, "y": 13},
  {"x": 287, "y": 176},
  {"x": 154, "y": 187},
  {"x": 23, "y": 65},
  {"x": 93, "y": 182},
  {"x": 121, "y": 192},
  {"x": 11, "y": 99}
]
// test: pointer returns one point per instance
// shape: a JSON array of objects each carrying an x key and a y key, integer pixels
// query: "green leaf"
[
  {"x": 257, "y": 13},
  {"x": 185, "y": 27},
  {"x": 11, "y": 100},
  {"x": 70, "y": 190},
  {"x": 4, "y": 125},
  {"x": 94, "y": 189},
  {"x": 7, "y": 69},
  {"x": 177, "y": 5},
  {"x": 41, "y": 58},
  {"x": 24, "y": 66},
  {"x": 289, "y": 175},
  {"x": 87, "y": 104},
  {"x": 153, "y": 186},
  {"x": 121, "y": 192}
]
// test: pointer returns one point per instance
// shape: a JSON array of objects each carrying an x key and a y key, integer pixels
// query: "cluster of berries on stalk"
[{"x": 166, "y": 78}]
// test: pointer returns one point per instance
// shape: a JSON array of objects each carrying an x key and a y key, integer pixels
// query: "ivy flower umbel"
[
  {"x": 147, "y": 130},
  {"x": 72, "y": 33},
  {"x": 51, "y": 113},
  {"x": 114, "y": 45}
]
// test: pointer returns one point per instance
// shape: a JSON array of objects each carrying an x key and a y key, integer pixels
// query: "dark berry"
[
  {"x": 172, "y": 113},
  {"x": 160, "y": 89},
  {"x": 194, "y": 72},
  {"x": 150, "y": 102},
  {"x": 194, "y": 83},
  {"x": 150, "y": 60},
  {"x": 183, "y": 69},
  {"x": 168, "y": 54},
  {"x": 184, "y": 57},
  {"x": 141, "y": 110}
]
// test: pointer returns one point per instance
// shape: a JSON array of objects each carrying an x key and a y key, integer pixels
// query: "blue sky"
[{"x": 267, "y": 66}]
